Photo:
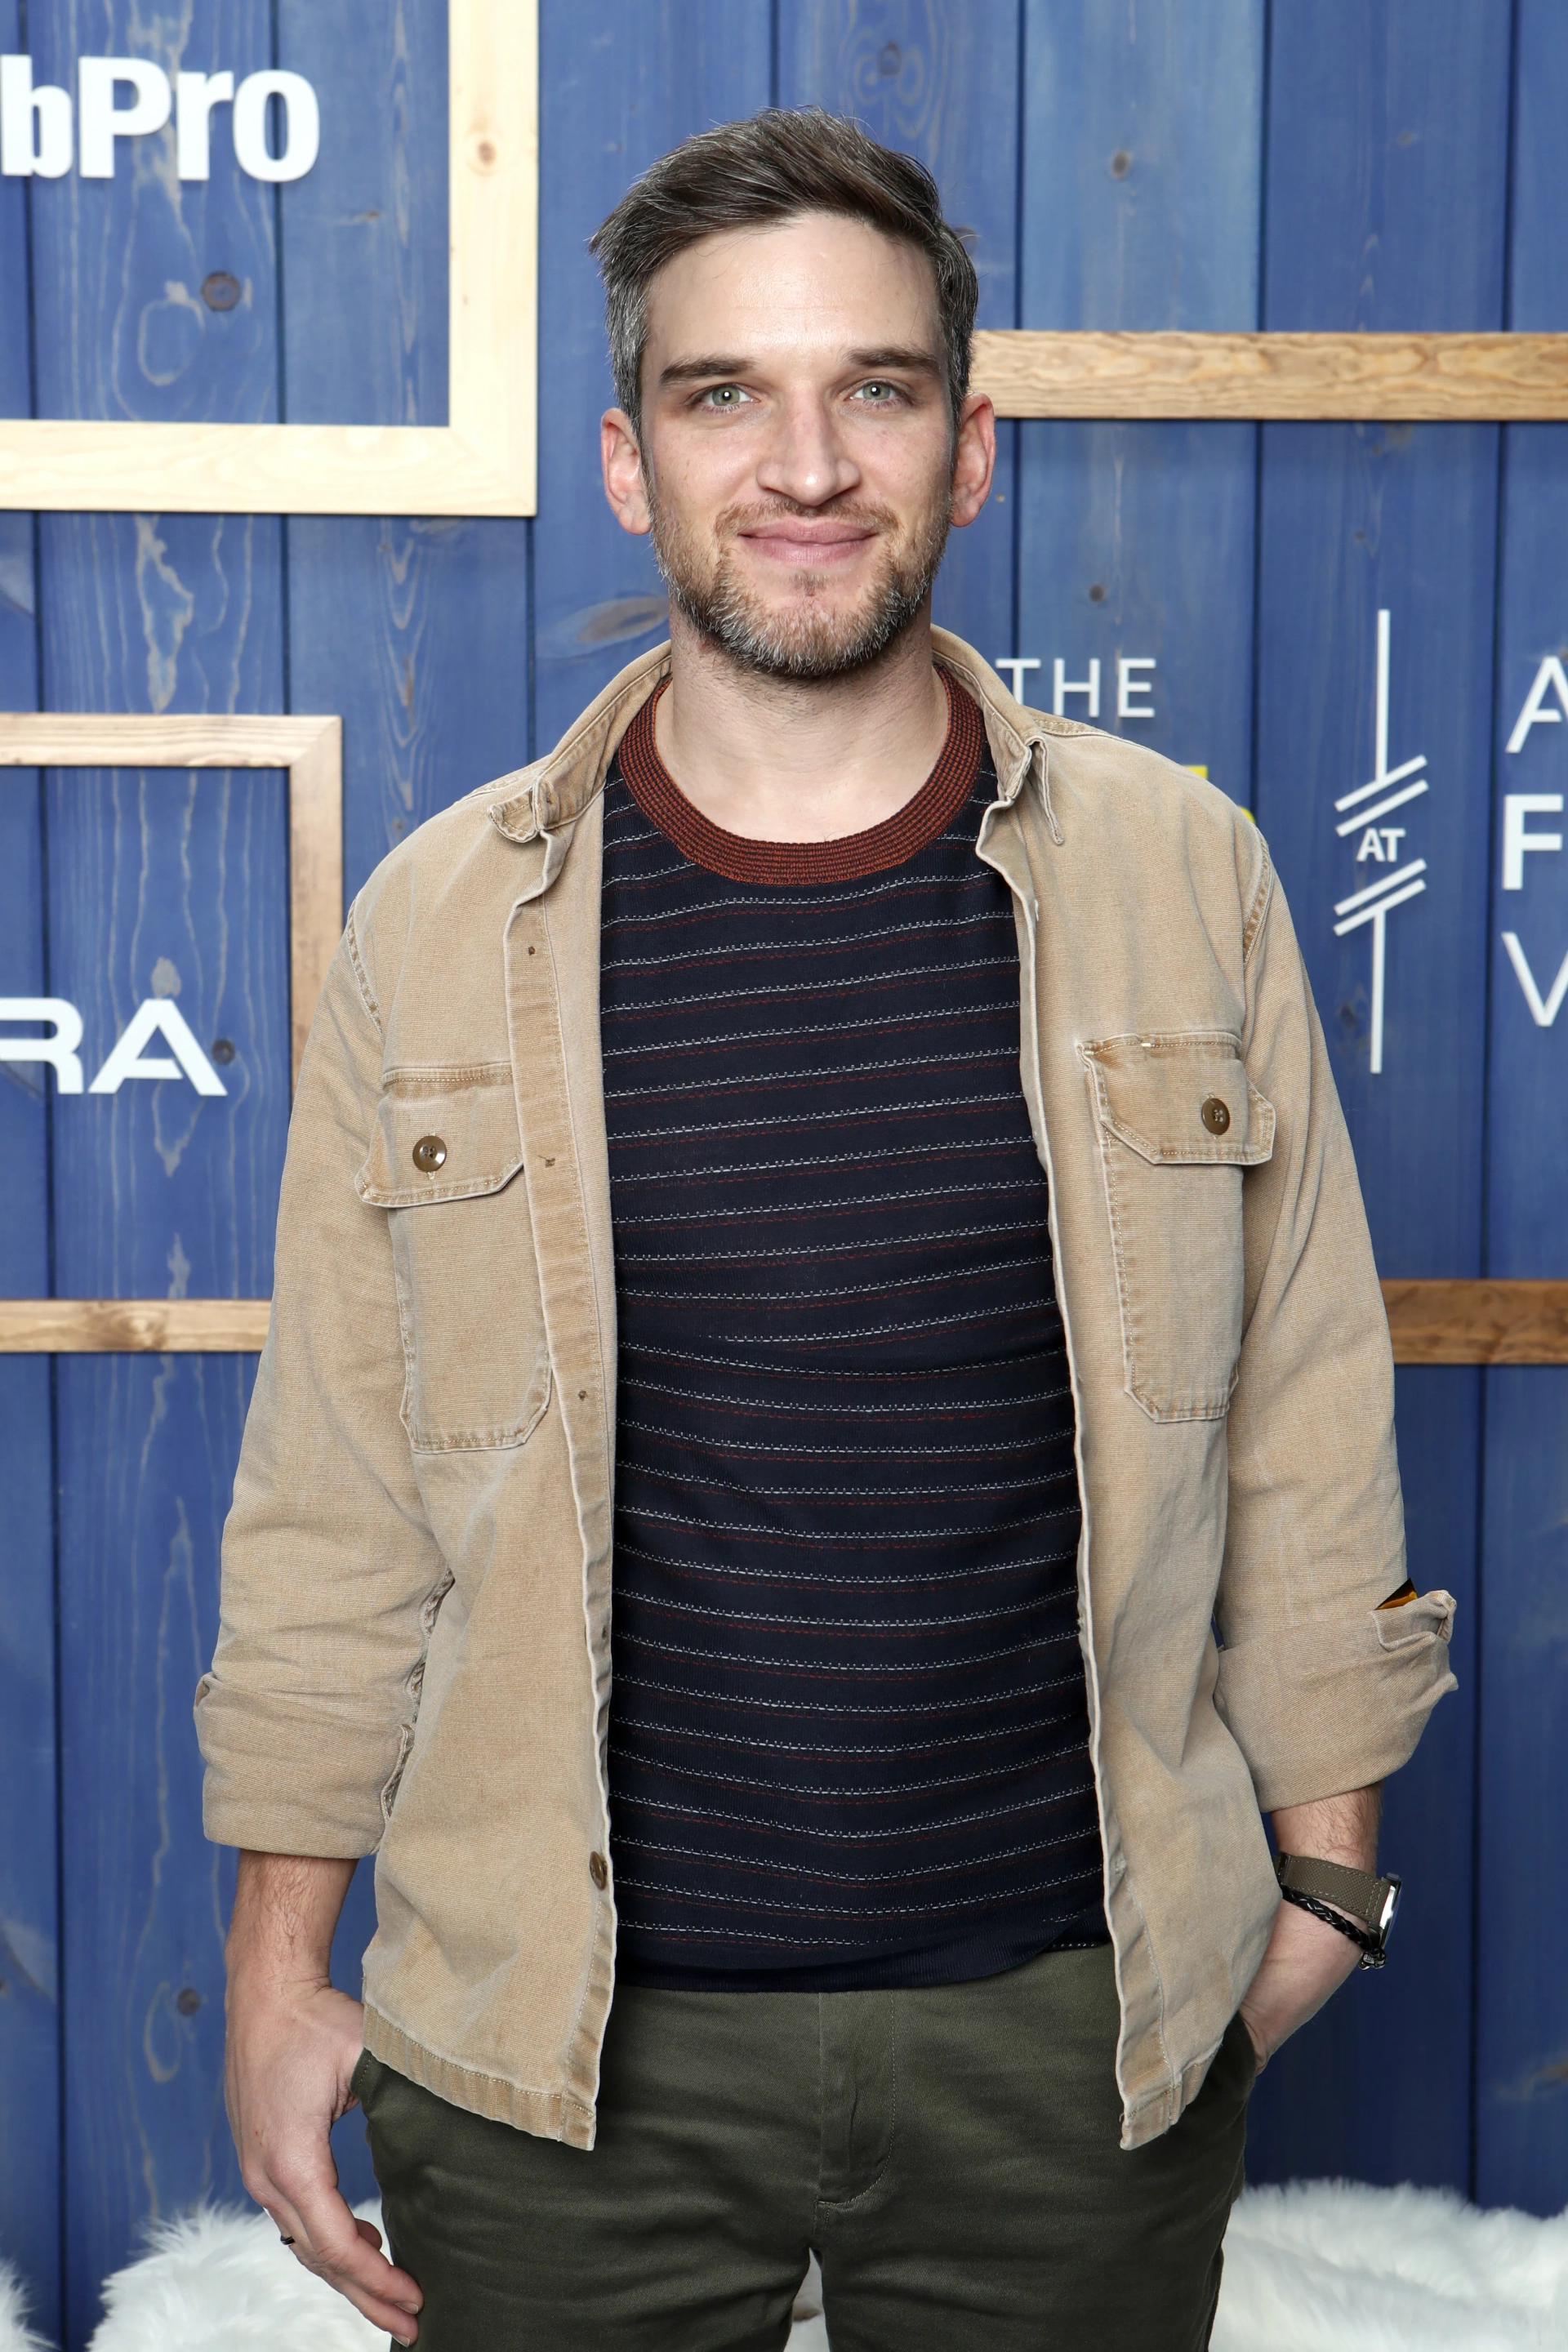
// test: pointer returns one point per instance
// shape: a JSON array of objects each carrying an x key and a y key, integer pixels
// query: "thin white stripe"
[
  {"x": 728, "y": 1572},
  {"x": 963, "y": 1011},
  {"x": 770, "y": 1863},
  {"x": 736, "y": 951},
  {"x": 667, "y": 1088},
  {"x": 627, "y": 1007},
  {"x": 988, "y": 1901},
  {"x": 882, "y": 1793},
  {"x": 699, "y": 1444},
  {"x": 803, "y": 1118},
  {"x": 969, "y": 1408},
  {"x": 938, "y": 1826}
]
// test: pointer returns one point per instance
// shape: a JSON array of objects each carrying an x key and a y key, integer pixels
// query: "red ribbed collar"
[{"x": 791, "y": 863}]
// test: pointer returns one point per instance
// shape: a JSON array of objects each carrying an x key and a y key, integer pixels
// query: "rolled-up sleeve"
[
  {"x": 327, "y": 1561},
  {"x": 1323, "y": 1688}
]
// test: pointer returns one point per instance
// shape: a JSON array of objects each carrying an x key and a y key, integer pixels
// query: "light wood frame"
[
  {"x": 1370, "y": 378},
  {"x": 310, "y": 752},
  {"x": 481, "y": 462}
]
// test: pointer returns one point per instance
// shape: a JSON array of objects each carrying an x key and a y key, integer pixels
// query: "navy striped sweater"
[{"x": 848, "y": 1736}]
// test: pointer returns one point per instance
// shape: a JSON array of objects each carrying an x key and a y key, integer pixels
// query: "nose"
[{"x": 804, "y": 459}]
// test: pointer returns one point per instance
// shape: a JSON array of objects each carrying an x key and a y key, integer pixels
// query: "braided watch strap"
[{"x": 1315, "y": 1885}]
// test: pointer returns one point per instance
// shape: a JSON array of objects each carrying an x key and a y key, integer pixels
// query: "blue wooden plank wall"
[
  {"x": 1206, "y": 163},
  {"x": 1521, "y": 2055}
]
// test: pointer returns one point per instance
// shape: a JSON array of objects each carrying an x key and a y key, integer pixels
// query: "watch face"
[{"x": 1390, "y": 1906}]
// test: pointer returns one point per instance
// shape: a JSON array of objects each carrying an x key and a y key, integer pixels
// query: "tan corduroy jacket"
[{"x": 415, "y": 1655}]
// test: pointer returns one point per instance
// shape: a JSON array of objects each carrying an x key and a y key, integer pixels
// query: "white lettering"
[
  {"x": 1545, "y": 1012},
  {"x": 1392, "y": 835},
  {"x": 34, "y": 124},
  {"x": 1062, "y": 686},
  {"x": 102, "y": 122},
  {"x": 1127, "y": 685},
  {"x": 1370, "y": 846},
  {"x": 1017, "y": 663},
  {"x": 1516, "y": 807},
  {"x": 58, "y": 1051},
  {"x": 195, "y": 95},
  {"x": 1549, "y": 677},
  {"x": 303, "y": 126},
  {"x": 157, "y": 1016}
]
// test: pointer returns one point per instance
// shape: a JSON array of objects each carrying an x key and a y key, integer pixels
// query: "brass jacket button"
[
  {"x": 1214, "y": 1115},
  {"x": 430, "y": 1153},
  {"x": 598, "y": 1869}
]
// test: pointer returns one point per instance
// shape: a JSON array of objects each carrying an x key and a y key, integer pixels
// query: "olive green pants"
[{"x": 951, "y": 2153}]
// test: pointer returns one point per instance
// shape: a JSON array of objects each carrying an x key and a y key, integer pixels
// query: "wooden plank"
[
  {"x": 1396, "y": 378},
  {"x": 1345, "y": 2098},
  {"x": 625, "y": 80},
  {"x": 1470, "y": 1322},
  {"x": 1522, "y": 2058},
  {"x": 1387, "y": 134},
  {"x": 29, "y": 1892},
  {"x": 416, "y": 630},
  {"x": 85, "y": 739},
  {"x": 921, "y": 81},
  {"x": 1478, "y": 1322},
  {"x": 1140, "y": 198},
  {"x": 96, "y": 1327},
  {"x": 55, "y": 464},
  {"x": 159, "y": 882}
]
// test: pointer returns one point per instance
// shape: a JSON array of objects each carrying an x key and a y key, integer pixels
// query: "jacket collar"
[{"x": 549, "y": 797}]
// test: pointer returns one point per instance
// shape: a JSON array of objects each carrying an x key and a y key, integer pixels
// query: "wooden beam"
[
  {"x": 1452, "y": 379},
  {"x": 1478, "y": 1322},
  {"x": 165, "y": 1326},
  {"x": 1431, "y": 1323}
]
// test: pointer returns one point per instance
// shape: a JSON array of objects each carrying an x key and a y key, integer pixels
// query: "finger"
[{"x": 329, "y": 2243}]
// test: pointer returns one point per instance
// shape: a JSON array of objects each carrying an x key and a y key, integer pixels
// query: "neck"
[{"x": 783, "y": 760}]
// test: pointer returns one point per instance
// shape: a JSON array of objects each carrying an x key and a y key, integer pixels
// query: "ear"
[
  {"x": 973, "y": 458},
  {"x": 622, "y": 461}
]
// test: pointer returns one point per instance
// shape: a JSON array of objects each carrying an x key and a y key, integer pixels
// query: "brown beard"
[{"x": 803, "y": 643}]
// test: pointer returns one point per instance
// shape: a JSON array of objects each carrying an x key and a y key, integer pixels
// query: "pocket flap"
[
  {"x": 463, "y": 1124},
  {"x": 1182, "y": 1099}
]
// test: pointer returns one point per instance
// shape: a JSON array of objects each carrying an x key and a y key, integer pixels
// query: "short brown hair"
[{"x": 772, "y": 167}]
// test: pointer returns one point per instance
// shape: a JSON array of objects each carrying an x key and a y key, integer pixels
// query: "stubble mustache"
[{"x": 805, "y": 646}]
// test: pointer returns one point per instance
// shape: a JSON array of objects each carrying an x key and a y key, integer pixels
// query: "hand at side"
[
  {"x": 1306, "y": 1960},
  {"x": 293, "y": 2043}
]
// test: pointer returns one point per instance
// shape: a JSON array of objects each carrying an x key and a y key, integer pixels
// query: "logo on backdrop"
[
  {"x": 1371, "y": 905},
  {"x": 1519, "y": 841},
  {"x": 1133, "y": 688},
  {"x": 40, "y": 129},
  {"x": 156, "y": 1017}
]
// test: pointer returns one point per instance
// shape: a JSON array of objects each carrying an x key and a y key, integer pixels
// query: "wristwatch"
[{"x": 1363, "y": 1906}]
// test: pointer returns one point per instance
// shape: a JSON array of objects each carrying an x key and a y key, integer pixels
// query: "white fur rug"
[{"x": 1324, "y": 2266}]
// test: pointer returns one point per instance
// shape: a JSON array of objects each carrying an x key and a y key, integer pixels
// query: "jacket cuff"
[
  {"x": 281, "y": 1779},
  {"x": 1321, "y": 1708}
]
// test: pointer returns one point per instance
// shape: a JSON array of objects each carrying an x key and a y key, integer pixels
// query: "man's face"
[{"x": 798, "y": 469}]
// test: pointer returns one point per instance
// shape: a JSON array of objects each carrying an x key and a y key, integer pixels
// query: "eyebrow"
[{"x": 893, "y": 355}]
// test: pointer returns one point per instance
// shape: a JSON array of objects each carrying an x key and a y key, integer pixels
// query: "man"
[{"x": 828, "y": 1190}]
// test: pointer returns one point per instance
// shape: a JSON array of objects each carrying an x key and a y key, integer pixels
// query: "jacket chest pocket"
[
  {"x": 1179, "y": 1122},
  {"x": 446, "y": 1164}
]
